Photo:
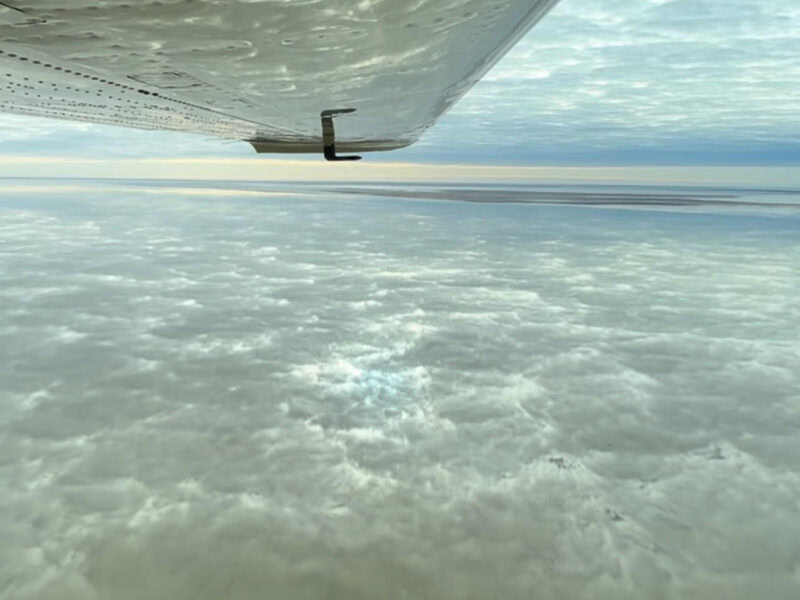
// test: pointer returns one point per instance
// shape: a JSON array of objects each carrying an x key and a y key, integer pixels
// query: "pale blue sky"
[{"x": 623, "y": 82}]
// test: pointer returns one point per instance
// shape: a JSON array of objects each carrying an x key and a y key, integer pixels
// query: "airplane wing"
[{"x": 272, "y": 72}]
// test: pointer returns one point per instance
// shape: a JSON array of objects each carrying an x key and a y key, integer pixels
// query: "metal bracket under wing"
[{"x": 329, "y": 134}]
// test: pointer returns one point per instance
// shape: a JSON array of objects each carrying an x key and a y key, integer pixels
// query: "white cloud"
[
  {"x": 591, "y": 404},
  {"x": 626, "y": 77}
]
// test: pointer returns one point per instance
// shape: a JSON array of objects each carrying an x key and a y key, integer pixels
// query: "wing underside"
[{"x": 261, "y": 71}]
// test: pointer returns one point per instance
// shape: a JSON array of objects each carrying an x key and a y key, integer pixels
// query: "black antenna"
[{"x": 329, "y": 134}]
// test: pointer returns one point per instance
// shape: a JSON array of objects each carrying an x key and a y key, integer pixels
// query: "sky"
[{"x": 596, "y": 83}]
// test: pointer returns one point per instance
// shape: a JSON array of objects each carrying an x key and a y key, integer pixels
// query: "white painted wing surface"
[{"x": 256, "y": 70}]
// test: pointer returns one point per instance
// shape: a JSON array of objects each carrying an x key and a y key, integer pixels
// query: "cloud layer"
[
  {"x": 305, "y": 395},
  {"x": 669, "y": 81}
]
